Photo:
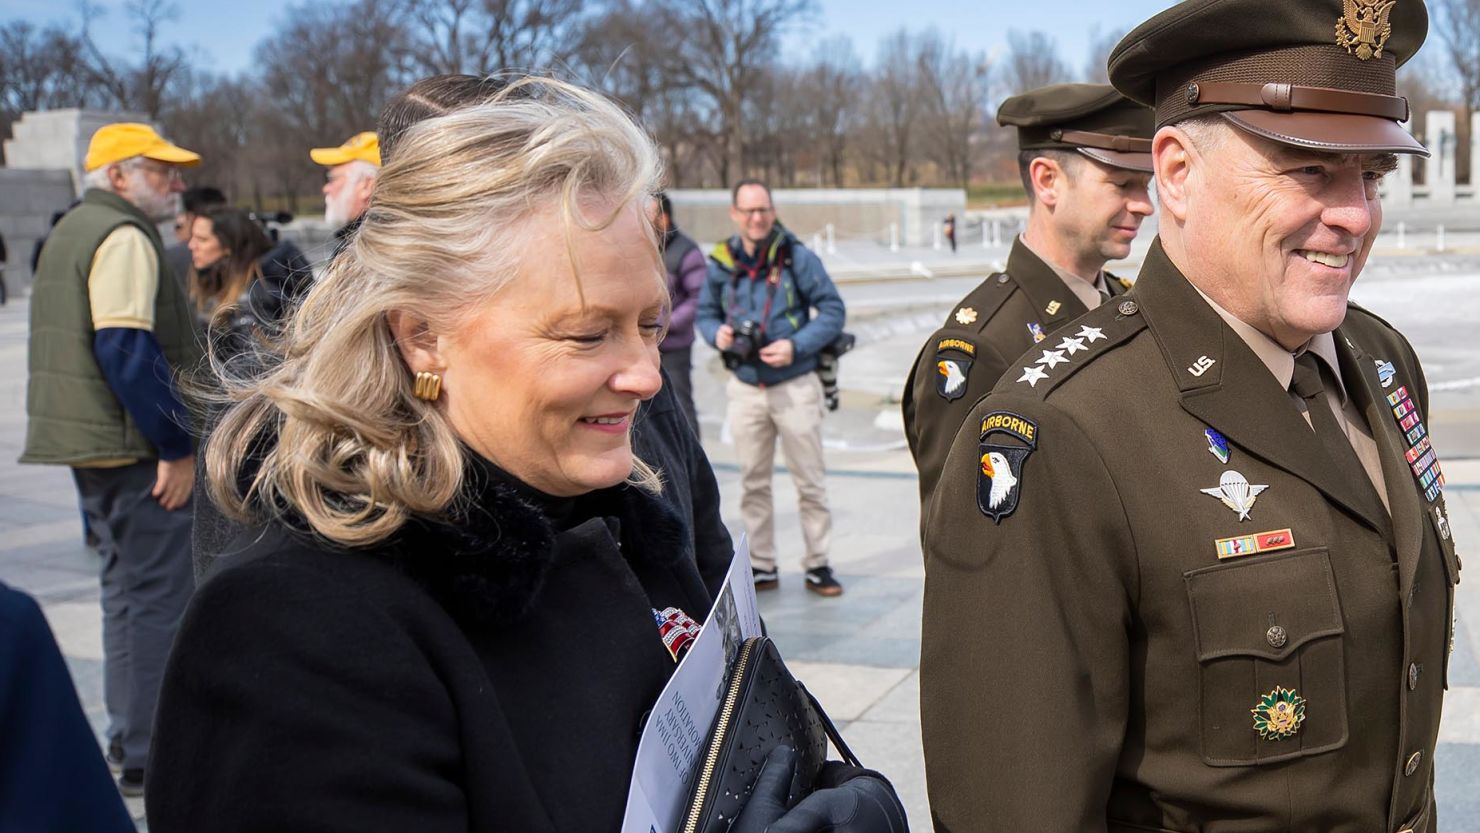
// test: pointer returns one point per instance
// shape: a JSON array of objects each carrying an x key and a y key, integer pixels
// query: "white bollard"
[
  {"x": 832, "y": 246},
  {"x": 1402, "y": 235},
  {"x": 1439, "y": 241},
  {"x": 816, "y": 242},
  {"x": 986, "y": 236},
  {"x": 894, "y": 237},
  {"x": 935, "y": 243}
]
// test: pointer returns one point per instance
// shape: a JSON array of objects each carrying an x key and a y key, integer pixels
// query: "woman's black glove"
[{"x": 848, "y": 800}]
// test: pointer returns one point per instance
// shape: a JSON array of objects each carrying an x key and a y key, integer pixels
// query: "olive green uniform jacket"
[
  {"x": 962, "y": 360},
  {"x": 1090, "y": 663}
]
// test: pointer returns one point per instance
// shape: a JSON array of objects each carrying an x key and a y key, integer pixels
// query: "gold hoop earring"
[{"x": 428, "y": 386}]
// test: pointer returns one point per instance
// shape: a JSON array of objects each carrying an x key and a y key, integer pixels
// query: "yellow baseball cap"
[
  {"x": 125, "y": 140},
  {"x": 362, "y": 146}
]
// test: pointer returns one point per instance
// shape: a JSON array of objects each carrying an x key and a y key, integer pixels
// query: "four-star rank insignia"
[
  {"x": 953, "y": 359},
  {"x": 1000, "y": 479},
  {"x": 1279, "y": 714},
  {"x": 1363, "y": 27}
]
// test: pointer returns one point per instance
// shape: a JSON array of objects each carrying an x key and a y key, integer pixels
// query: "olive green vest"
[{"x": 73, "y": 416}]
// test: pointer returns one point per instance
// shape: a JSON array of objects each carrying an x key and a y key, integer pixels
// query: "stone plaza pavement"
[{"x": 859, "y": 653}]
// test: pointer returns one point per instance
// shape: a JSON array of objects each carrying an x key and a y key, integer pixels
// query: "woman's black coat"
[{"x": 490, "y": 674}]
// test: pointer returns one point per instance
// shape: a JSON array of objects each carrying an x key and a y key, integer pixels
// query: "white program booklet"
[{"x": 673, "y": 739}]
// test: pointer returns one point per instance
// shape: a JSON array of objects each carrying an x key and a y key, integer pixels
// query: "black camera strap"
[{"x": 772, "y": 267}]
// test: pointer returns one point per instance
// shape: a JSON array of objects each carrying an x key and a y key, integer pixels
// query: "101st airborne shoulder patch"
[
  {"x": 1000, "y": 479},
  {"x": 953, "y": 360}
]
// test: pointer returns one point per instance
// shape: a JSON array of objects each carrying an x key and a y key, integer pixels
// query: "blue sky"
[{"x": 222, "y": 35}]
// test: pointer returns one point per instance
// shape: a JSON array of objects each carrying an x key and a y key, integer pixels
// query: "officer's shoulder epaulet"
[
  {"x": 981, "y": 303},
  {"x": 1048, "y": 365},
  {"x": 1125, "y": 283}
]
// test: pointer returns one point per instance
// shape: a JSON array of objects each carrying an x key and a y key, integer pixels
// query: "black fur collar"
[{"x": 488, "y": 557}]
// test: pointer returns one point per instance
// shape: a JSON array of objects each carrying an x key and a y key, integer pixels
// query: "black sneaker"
[
  {"x": 766, "y": 579},
  {"x": 114, "y": 755},
  {"x": 131, "y": 783},
  {"x": 820, "y": 581}
]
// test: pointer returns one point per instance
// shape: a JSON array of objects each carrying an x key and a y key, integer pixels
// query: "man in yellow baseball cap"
[
  {"x": 110, "y": 332},
  {"x": 353, "y": 167}
]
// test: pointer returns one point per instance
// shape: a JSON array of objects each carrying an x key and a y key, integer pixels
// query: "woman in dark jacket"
[
  {"x": 445, "y": 618},
  {"x": 241, "y": 284}
]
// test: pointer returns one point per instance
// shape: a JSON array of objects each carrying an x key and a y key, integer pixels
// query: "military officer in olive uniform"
[
  {"x": 1084, "y": 155},
  {"x": 1199, "y": 577}
]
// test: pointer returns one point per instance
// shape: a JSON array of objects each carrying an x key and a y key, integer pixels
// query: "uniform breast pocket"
[{"x": 1268, "y": 634}]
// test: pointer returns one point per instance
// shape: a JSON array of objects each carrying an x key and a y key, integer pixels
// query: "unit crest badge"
[
  {"x": 1000, "y": 480},
  {"x": 953, "y": 360}
]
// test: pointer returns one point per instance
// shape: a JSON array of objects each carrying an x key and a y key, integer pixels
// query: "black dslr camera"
[{"x": 745, "y": 346}]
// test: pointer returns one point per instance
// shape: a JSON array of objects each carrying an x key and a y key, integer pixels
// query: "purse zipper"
[{"x": 721, "y": 729}]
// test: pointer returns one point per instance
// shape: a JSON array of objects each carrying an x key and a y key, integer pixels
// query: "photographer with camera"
[{"x": 757, "y": 309}]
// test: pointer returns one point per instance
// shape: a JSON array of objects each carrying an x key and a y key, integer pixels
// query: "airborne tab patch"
[
  {"x": 999, "y": 481},
  {"x": 953, "y": 360}
]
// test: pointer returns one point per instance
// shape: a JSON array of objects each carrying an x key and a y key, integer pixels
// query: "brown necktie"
[{"x": 1308, "y": 384}]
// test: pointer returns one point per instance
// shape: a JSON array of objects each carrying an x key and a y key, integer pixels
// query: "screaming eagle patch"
[
  {"x": 1000, "y": 479},
  {"x": 953, "y": 359}
]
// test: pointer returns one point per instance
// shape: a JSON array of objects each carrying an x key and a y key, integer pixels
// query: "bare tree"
[
  {"x": 480, "y": 36},
  {"x": 328, "y": 73},
  {"x": 144, "y": 85},
  {"x": 1101, "y": 44},
  {"x": 895, "y": 101},
  {"x": 831, "y": 87},
  {"x": 1032, "y": 61},
  {"x": 954, "y": 87},
  {"x": 721, "y": 48}
]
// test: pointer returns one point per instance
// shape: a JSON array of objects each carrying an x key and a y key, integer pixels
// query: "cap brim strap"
[
  {"x": 1289, "y": 98},
  {"x": 1104, "y": 141}
]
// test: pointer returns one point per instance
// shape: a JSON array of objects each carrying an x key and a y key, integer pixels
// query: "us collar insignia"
[
  {"x": 953, "y": 360},
  {"x": 1036, "y": 331},
  {"x": 1385, "y": 372},
  {"x": 1272, "y": 541},
  {"x": 1363, "y": 28},
  {"x": 999, "y": 481},
  {"x": 1217, "y": 445},
  {"x": 1279, "y": 714},
  {"x": 677, "y": 630},
  {"x": 1420, "y": 456},
  {"x": 966, "y": 316},
  {"x": 1236, "y": 493},
  {"x": 1053, "y": 308}
]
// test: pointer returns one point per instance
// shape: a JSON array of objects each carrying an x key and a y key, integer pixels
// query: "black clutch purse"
[{"x": 764, "y": 707}]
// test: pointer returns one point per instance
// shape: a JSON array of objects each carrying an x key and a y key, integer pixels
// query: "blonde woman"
[{"x": 447, "y": 619}]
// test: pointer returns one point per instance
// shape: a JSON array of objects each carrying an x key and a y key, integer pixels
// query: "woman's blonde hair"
[{"x": 331, "y": 429}]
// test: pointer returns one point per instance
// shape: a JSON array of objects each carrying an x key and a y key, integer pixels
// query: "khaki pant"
[{"x": 793, "y": 411}]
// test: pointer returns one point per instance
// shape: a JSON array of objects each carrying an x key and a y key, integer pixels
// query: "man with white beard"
[
  {"x": 110, "y": 332},
  {"x": 353, "y": 167}
]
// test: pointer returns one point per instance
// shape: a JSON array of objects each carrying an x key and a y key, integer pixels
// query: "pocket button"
[
  {"x": 1276, "y": 636},
  {"x": 1412, "y": 765},
  {"x": 1413, "y": 672}
]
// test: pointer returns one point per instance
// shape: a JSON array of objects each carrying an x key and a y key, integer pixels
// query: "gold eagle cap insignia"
[{"x": 1363, "y": 28}]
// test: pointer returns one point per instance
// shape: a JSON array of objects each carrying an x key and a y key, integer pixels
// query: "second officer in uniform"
[{"x": 1085, "y": 159}]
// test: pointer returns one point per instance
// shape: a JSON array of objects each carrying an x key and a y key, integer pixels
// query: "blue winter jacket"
[{"x": 736, "y": 288}]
